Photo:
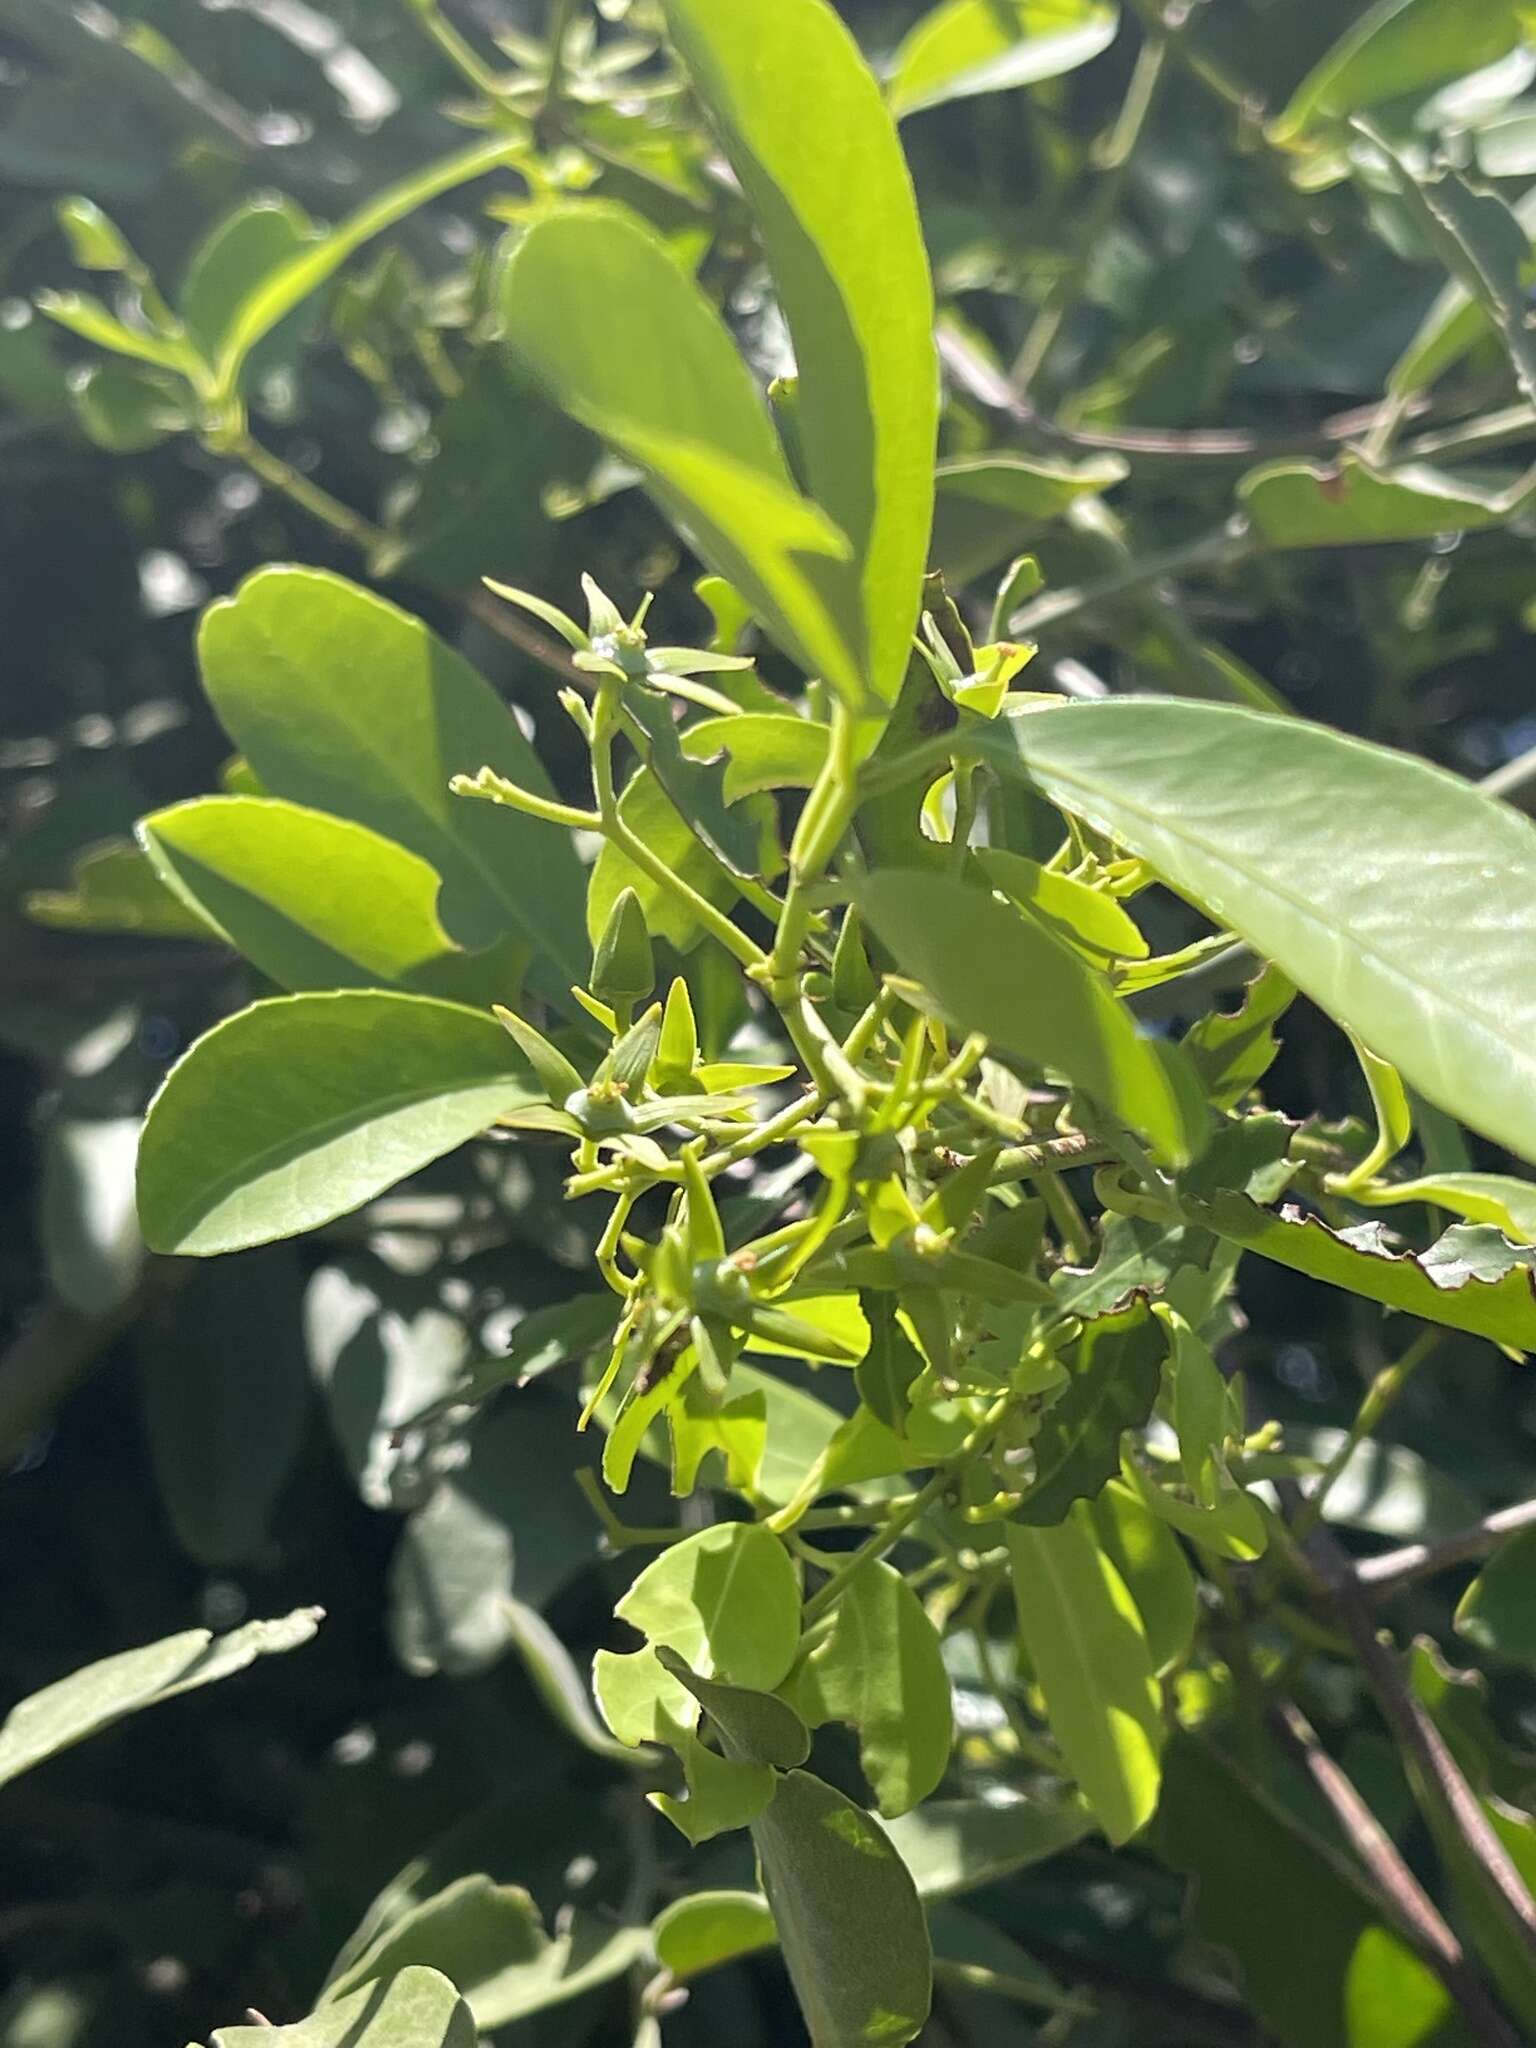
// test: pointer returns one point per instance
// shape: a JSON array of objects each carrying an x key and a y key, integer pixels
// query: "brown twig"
[
  {"x": 1438, "y": 1782},
  {"x": 1409, "y": 1905},
  {"x": 1379, "y": 1577},
  {"x": 990, "y": 388}
]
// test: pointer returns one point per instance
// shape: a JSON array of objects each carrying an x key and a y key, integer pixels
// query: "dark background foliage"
[{"x": 186, "y": 1456}]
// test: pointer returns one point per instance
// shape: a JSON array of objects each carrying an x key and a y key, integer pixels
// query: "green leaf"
[
  {"x": 343, "y": 703},
  {"x": 755, "y": 1727},
  {"x": 559, "y": 1685},
  {"x": 1456, "y": 321},
  {"x": 886, "y": 1371},
  {"x": 651, "y": 815},
  {"x": 1115, "y": 1367},
  {"x": 1395, "y": 48},
  {"x": 247, "y": 307},
  {"x": 849, "y": 1918},
  {"x": 671, "y": 393},
  {"x": 114, "y": 889},
  {"x": 1496, "y": 1300},
  {"x": 262, "y": 236},
  {"x": 507, "y": 1524},
  {"x": 313, "y": 901},
  {"x": 706, "y": 1930},
  {"x": 1089, "y": 919},
  {"x": 1486, "y": 247},
  {"x": 86, "y": 316},
  {"x": 1088, "y": 1647},
  {"x": 1496, "y": 1198},
  {"x": 227, "y": 1402},
  {"x": 827, "y": 184},
  {"x": 125, "y": 409},
  {"x": 299, "y": 1109},
  {"x": 1399, "y": 899},
  {"x": 949, "y": 1845},
  {"x": 763, "y": 750},
  {"x": 490, "y": 1941},
  {"x": 1008, "y": 975},
  {"x": 95, "y": 240},
  {"x": 1300, "y": 504},
  {"x": 973, "y": 46},
  {"x": 91, "y": 1699},
  {"x": 724, "y": 1792},
  {"x": 1496, "y": 1612},
  {"x": 1146, "y": 1554},
  {"x": 726, "y": 1600},
  {"x": 1135, "y": 1254},
  {"x": 417, "y": 2009},
  {"x": 1267, "y": 1891},
  {"x": 879, "y": 1668},
  {"x": 1233, "y": 1050},
  {"x": 1386, "y": 1489}
]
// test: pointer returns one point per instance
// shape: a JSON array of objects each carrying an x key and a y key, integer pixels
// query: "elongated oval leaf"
[
  {"x": 93, "y": 1698},
  {"x": 1004, "y": 973},
  {"x": 1496, "y": 1198},
  {"x": 1088, "y": 1646},
  {"x": 879, "y": 1668},
  {"x": 1494, "y": 1299},
  {"x": 294, "y": 1111},
  {"x": 598, "y": 309},
  {"x": 971, "y": 46},
  {"x": 824, "y": 175},
  {"x": 419, "y": 2008},
  {"x": 271, "y": 293},
  {"x": 257, "y": 240},
  {"x": 1115, "y": 1367},
  {"x": 727, "y": 1600},
  {"x": 1399, "y": 899},
  {"x": 1304, "y": 505},
  {"x": 1455, "y": 321},
  {"x": 341, "y": 702},
  {"x": 312, "y": 900},
  {"x": 1398, "y": 47},
  {"x": 849, "y": 1918}
]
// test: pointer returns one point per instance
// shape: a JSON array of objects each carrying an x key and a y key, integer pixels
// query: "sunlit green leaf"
[
  {"x": 419, "y": 2008},
  {"x": 243, "y": 309},
  {"x": 343, "y": 703},
  {"x": 1401, "y": 900},
  {"x": 878, "y": 1667},
  {"x": 849, "y": 1918},
  {"x": 298, "y": 1109},
  {"x": 972, "y": 46},
  {"x": 490, "y": 1941},
  {"x": 1300, "y": 504},
  {"x": 825, "y": 178},
  {"x": 671, "y": 393},
  {"x": 312, "y": 900},
  {"x": 93, "y": 1698},
  {"x": 1001, "y": 972},
  {"x": 1088, "y": 1647},
  {"x": 1397, "y": 47}
]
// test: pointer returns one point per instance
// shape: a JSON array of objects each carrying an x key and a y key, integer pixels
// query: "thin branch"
[
  {"x": 1417, "y": 1918},
  {"x": 990, "y": 388},
  {"x": 1380, "y": 1577},
  {"x": 1437, "y": 1779}
]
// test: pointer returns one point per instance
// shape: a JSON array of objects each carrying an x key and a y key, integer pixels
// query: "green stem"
[
  {"x": 1380, "y": 1398},
  {"x": 828, "y": 809},
  {"x": 292, "y": 484},
  {"x": 887, "y": 1538},
  {"x": 605, "y": 725},
  {"x": 470, "y": 67},
  {"x": 1114, "y": 162}
]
